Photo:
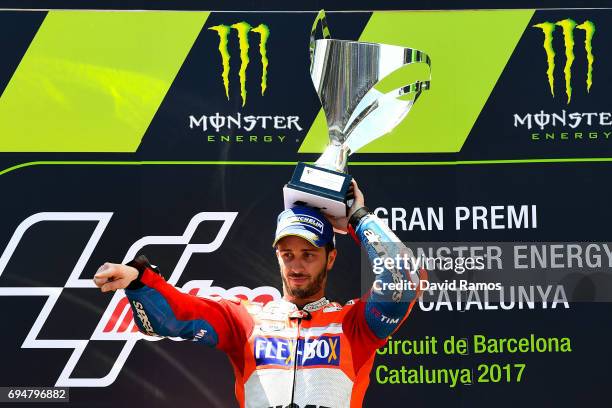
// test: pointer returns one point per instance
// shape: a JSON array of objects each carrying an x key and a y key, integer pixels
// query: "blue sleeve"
[
  {"x": 386, "y": 309},
  {"x": 154, "y": 316}
]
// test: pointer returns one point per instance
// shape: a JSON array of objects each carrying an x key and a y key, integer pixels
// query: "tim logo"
[
  {"x": 568, "y": 27},
  {"x": 319, "y": 351},
  {"x": 242, "y": 30}
]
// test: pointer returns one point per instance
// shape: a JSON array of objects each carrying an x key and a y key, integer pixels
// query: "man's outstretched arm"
[{"x": 160, "y": 309}]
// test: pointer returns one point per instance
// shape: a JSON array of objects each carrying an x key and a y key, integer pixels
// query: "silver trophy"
[{"x": 344, "y": 74}]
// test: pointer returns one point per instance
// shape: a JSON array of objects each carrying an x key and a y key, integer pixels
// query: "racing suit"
[{"x": 319, "y": 356}]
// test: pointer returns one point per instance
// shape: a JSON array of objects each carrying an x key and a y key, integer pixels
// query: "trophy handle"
[
  {"x": 356, "y": 140},
  {"x": 321, "y": 19},
  {"x": 374, "y": 100},
  {"x": 412, "y": 56},
  {"x": 414, "y": 88}
]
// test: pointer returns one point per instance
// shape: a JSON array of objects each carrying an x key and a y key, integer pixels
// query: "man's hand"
[
  {"x": 112, "y": 276},
  {"x": 341, "y": 223}
]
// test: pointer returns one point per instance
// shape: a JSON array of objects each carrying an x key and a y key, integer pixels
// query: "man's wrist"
[
  {"x": 141, "y": 264},
  {"x": 356, "y": 217}
]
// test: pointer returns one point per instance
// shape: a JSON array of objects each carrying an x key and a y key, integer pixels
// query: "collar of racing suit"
[
  {"x": 316, "y": 305},
  {"x": 309, "y": 307}
]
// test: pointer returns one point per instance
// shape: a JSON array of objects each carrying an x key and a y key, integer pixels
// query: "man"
[{"x": 303, "y": 350}]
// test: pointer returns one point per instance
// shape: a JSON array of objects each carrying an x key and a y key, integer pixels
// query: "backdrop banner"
[{"x": 173, "y": 133}]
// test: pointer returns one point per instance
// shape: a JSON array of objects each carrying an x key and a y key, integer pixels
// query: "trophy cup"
[{"x": 344, "y": 74}]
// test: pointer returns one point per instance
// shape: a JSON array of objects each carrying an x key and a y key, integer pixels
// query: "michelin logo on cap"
[{"x": 303, "y": 220}]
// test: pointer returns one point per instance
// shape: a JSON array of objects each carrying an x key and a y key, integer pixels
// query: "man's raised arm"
[
  {"x": 161, "y": 310},
  {"x": 391, "y": 298}
]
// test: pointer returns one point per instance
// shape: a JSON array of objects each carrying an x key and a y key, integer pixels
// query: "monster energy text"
[
  {"x": 242, "y": 31},
  {"x": 246, "y": 123},
  {"x": 575, "y": 120},
  {"x": 234, "y": 125}
]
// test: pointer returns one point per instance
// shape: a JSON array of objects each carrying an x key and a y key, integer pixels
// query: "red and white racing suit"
[{"x": 319, "y": 356}]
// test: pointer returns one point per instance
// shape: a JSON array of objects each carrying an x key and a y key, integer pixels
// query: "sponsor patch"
[
  {"x": 324, "y": 350},
  {"x": 305, "y": 220},
  {"x": 144, "y": 319}
]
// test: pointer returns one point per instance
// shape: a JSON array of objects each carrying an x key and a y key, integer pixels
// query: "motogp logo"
[{"x": 116, "y": 323}]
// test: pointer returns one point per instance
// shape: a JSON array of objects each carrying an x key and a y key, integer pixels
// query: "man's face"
[{"x": 303, "y": 266}]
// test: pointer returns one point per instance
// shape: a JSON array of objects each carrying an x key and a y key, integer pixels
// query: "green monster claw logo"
[
  {"x": 242, "y": 30},
  {"x": 567, "y": 26}
]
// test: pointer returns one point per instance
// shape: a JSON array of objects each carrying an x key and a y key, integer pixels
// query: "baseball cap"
[{"x": 304, "y": 222}]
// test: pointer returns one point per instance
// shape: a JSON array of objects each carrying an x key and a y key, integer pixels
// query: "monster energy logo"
[
  {"x": 567, "y": 26},
  {"x": 242, "y": 30}
]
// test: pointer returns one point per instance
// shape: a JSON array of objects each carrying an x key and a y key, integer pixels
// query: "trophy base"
[{"x": 319, "y": 188}]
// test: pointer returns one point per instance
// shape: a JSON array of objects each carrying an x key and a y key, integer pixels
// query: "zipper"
[{"x": 298, "y": 315}]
